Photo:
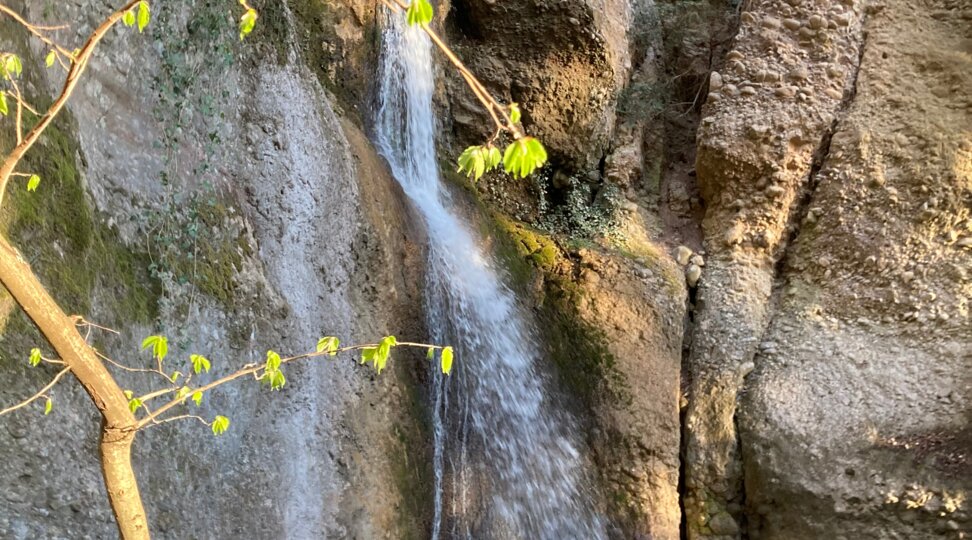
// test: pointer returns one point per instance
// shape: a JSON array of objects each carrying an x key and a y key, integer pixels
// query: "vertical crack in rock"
[{"x": 766, "y": 134}]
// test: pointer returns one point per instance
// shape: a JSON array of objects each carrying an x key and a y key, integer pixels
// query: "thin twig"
[
  {"x": 255, "y": 368},
  {"x": 40, "y": 393}
]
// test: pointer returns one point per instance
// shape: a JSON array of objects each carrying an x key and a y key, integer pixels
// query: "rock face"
[
  {"x": 757, "y": 150},
  {"x": 795, "y": 281},
  {"x": 855, "y": 423},
  {"x": 821, "y": 218},
  {"x": 282, "y": 227},
  {"x": 567, "y": 60}
]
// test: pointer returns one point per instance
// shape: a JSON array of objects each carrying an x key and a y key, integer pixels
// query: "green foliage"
[
  {"x": 3, "y": 103},
  {"x": 10, "y": 65},
  {"x": 524, "y": 156},
  {"x": 48, "y": 406},
  {"x": 143, "y": 15},
  {"x": 515, "y": 113},
  {"x": 477, "y": 160},
  {"x": 328, "y": 345},
  {"x": 272, "y": 373},
  {"x": 159, "y": 344},
  {"x": 199, "y": 363},
  {"x": 419, "y": 12},
  {"x": 133, "y": 402},
  {"x": 247, "y": 22},
  {"x": 220, "y": 425},
  {"x": 50, "y": 58},
  {"x": 35, "y": 357},
  {"x": 446, "y": 360},
  {"x": 33, "y": 182},
  {"x": 129, "y": 18},
  {"x": 197, "y": 397}
]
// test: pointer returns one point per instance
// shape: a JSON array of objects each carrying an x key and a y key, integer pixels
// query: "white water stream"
[{"x": 506, "y": 461}]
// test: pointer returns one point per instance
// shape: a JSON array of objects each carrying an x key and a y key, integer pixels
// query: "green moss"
[
  {"x": 67, "y": 245},
  {"x": 579, "y": 351},
  {"x": 199, "y": 246}
]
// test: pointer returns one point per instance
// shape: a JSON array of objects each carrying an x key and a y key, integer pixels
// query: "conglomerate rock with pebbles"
[{"x": 769, "y": 116}]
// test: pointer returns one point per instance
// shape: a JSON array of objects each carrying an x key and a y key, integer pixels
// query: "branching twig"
[
  {"x": 254, "y": 369},
  {"x": 40, "y": 393}
]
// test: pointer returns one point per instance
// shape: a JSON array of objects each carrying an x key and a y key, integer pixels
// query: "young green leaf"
[
  {"x": 143, "y": 15},
  {"x": 50, "y": 59},
  {"x": 183, "y": 392},
  {"x": 368, "y": 354},
  {"x": 446, "y": 360},
  {"x": 33, "y": 182},
  {"x": 514, "y": 113},
  {"x": 11, "y": 65},
  {"x": 129, "y": 18},
  {"x": 199, "y": 363},
  {"x": 524, "y": 156},
  {"x": 247, "y": 22},
  {"x": 160, "y": 346},
  {"x": 220, "y": 425},
  {"x": 48, "y": 405},
  {"x": 175, "y": 376},
  {"x": 277, "y": 379},
  {"x": 383, "y": 352},
  {"x": 273, "y": 361},
  {"x": 197, "y": 397},
  {"x": 419, "y": 12},
  {"x": 430, "y": 354},
  {"x": 493, "y": 157},
  {"x": 35, "y": 357},
  {"x": 134, "y": 404},
  {"x": 328, "y": 345},
  {"x": 3, "y": 103}
]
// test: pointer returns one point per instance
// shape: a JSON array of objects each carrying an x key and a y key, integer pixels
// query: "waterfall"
[{"x": 506, "y": 461}]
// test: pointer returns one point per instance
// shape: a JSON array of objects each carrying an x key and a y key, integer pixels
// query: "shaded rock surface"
[{"x": 304, "y": 234}]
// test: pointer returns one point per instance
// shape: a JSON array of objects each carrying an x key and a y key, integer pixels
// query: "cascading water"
[{"x": 506, "y": 464}]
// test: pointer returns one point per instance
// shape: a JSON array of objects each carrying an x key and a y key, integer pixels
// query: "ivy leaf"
[
  {"x": 160, "y": 346},
  {"x": 48, "y": 405},
  {"x": 247, "y": 22},
  {"x": 446, "y": 360},
  {"x": 514, "y": 113},
  {"x": 35, "y": 357},
  {"x": 419, "y": 12},
  {"x": 129, "y": 18},
  {"x": 199, "y": 363},
  {"x": 50, "y": 59},
  {"x": 33, "y": 182},
  {"x": 134, "y": 404},
  {"x": 220, "y": 425},
  {"x": 197, "y": 397},
  {"x": 143, "y": 15},
  {"x": 328, "y": 345},
  {"x": 524, "y": 156},
  {"x": 3, "y": 103},
  {"x": 273, "y": 361}
]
